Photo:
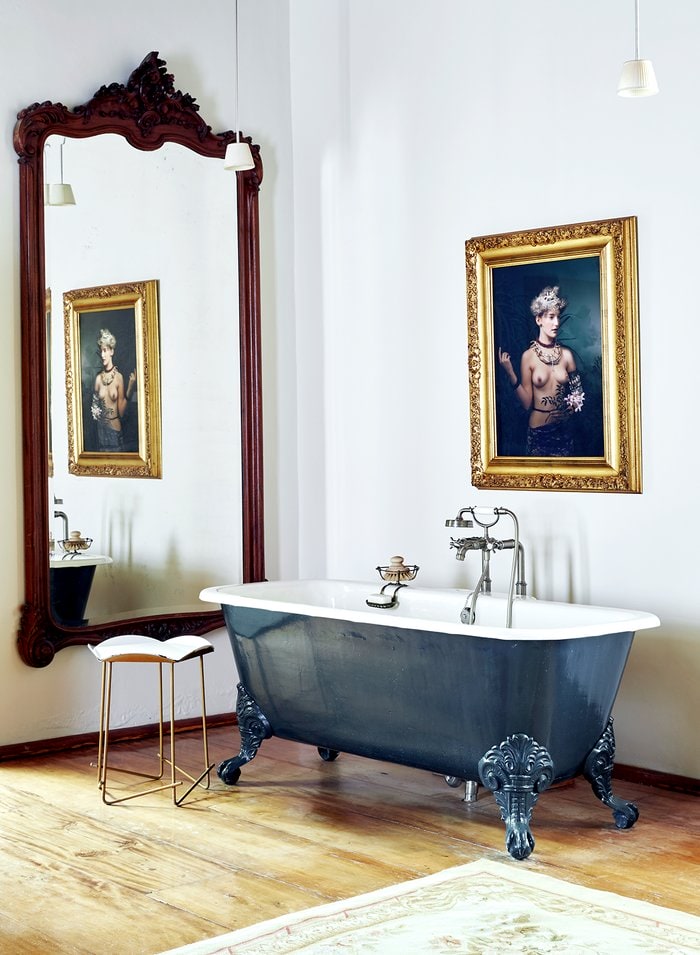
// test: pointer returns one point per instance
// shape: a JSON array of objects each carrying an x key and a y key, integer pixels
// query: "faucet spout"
[
  {"x": 64, "y": 518},
  {"x": 463, "y": 544}
]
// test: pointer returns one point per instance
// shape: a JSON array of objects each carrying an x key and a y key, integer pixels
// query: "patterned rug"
[{"x": 482, "y": 908}]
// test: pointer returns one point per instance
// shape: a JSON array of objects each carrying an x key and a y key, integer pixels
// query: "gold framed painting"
[
  {"x": 553, "y": 342},
  {"x": 113, "y": 380}
]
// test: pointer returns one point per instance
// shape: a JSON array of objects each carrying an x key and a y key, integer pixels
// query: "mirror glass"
[
  {"x": 153, "y": 205},
  {"x": 167, "y": 216}
]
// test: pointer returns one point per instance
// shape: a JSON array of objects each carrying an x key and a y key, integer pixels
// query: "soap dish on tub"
[{"x": 396, "y": 573}]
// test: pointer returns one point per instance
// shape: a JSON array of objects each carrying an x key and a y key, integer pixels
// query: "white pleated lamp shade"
[
  {"x": 59, "y": 194},
  {"x": 238, "y": 157},
  {"x": 637, "y": 79}
]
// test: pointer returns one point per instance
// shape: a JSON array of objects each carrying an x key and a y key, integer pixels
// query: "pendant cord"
[{"x": 235, "y": 101}]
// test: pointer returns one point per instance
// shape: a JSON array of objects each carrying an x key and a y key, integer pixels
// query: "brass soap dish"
[
  {"x": 74, "y": 544},
  {"x": 396, "y": 571}
]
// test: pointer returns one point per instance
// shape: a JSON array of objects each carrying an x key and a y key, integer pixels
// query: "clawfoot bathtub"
[{"x": 516, "y": 708}]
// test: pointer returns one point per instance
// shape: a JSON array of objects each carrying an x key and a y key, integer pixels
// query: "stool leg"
[
  {"x": 104, "y": 748},
  {"x": 207, "y": 766},
  {"x": 204, "y": 722},
  {"x": 161, "y": 758},
  {"x": 172, "y": 730},
  {"x": 100, "y": 735}
]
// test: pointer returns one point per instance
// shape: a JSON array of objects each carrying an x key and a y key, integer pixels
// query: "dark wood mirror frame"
[{"x": 148, "y": 111}]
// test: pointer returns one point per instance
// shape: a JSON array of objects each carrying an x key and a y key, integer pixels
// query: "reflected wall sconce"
[
  {"x": 238, "y": 155},
  {"x": 59, "y": 193},
  {"x": 637, "y": 77}
]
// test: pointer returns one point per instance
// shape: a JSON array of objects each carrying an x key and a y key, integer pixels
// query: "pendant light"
[
  {"x": 59, "y": 193},
  {"x": 638, "y": 77},
  {"x": 238, "y": 155}
]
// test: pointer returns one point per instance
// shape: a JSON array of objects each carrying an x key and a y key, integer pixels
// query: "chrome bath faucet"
[{"x": 486, "y": 518}]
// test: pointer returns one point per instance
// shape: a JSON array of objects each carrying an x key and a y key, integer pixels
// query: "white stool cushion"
[{"x": 134, "y": 648}]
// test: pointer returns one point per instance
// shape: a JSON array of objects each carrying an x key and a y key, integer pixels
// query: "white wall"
[
  {"x": 417, "y": 126},
  {"x": 407, "y": 128}
]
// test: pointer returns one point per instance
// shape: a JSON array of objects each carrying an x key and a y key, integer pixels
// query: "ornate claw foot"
[
  {"x": 517, "y": 771},
  {"x": 598, "y": 771},
  {"x": 254, "y": 728}
]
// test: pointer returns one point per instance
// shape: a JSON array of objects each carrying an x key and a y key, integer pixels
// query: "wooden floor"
[{"x": 136, "y": 879}]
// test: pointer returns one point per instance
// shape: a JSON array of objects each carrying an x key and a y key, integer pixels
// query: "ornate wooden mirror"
[{"x": 149, "y": 116}]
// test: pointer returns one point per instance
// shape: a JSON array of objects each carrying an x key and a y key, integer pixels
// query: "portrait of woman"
[
  {"x": 110, "y": 399},
  {"x": 109, "y": 382},
  {"x": 548, "y": 354},
  {"x": 113, "y": 380},
  {"x": 553, "y": 358}
]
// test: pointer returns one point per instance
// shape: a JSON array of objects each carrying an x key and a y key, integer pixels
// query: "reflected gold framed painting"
[
  {"x": 113, "y": 380},
  {"x": 553, "y": 339}
]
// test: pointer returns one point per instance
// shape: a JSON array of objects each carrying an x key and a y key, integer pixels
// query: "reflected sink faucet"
[{"x": 63, "y": 516}]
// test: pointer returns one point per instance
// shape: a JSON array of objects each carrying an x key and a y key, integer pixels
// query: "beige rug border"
[{"x": 513, "y": 872}]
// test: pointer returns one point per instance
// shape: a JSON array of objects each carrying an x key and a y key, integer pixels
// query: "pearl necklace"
[
  {"x": 553, "y": 358},
  {"x": 108, "y": 376}
]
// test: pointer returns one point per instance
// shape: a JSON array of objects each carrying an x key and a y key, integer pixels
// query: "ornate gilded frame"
[
  {"x": 500, "y": 270},
  {"x": 147, "y": 111},
  {"x": 130, "y": 308}
]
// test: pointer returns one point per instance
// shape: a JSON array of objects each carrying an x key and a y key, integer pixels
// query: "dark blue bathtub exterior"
[{"x": 514, "y": 714}]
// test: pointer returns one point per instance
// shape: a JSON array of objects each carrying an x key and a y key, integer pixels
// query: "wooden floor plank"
[{"x": 81, "y": 877}]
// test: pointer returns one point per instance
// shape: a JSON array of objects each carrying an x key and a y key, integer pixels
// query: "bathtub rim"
[{"x": 251, "y": 596}]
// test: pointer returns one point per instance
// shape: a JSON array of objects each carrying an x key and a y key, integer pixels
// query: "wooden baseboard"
[
  {"x": 62, "y": 744},
  {"x": 650, "y": 777}
]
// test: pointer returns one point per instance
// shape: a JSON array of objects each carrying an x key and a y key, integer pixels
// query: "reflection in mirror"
[
  {"x": 166, "y": 539},
  {"x": 162, "y": 211}
]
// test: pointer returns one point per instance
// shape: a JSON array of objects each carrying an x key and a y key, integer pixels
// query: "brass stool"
[{"x": 139, "y": 649}]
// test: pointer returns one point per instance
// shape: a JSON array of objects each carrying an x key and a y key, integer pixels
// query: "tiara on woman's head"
[{"x": 547, "y": 299}]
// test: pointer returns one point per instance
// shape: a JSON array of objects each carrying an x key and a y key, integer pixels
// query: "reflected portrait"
[
  {"x": 109, "y": 395},
  {"x": 112, "y": 380}
]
